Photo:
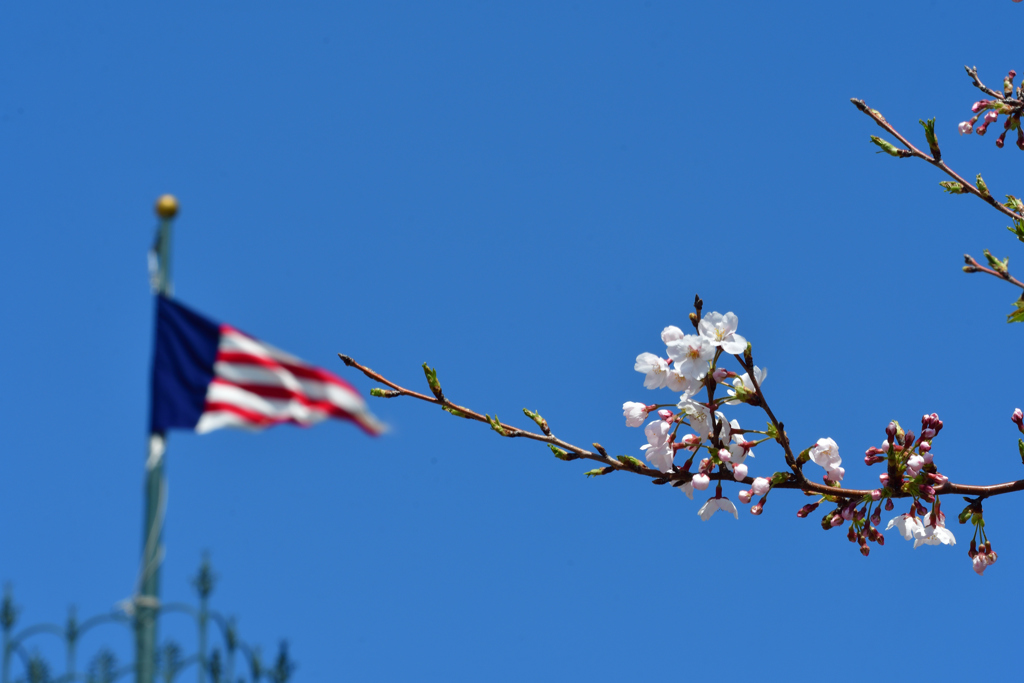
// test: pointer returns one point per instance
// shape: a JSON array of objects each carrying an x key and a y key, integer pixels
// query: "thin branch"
[
  {"x": 679, "y": 475},
  {"x": 972, "y": 71},
  {"x": 974, "y": 266},
  {"x": 938, "y": 163}
]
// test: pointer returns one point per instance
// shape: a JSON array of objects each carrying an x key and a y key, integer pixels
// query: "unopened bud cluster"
[{"x": 989, "y": 111}]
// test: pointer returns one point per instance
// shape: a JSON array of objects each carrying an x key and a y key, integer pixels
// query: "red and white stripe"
[{"x": 256, "y": 385}]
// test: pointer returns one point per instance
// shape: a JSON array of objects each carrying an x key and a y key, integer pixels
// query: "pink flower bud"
[
  {"x": 890, "y": 431},
  {"x": 915, "y": 463},
  {"x": 991, "y": 117},
  {"x": 982, "y": 129},
  {"x": 876, "y": 495},
  {"x": 724, "y": 455},
  {"x": 884, "y": 478},
  {"x": 1018, "y": 417},
  {"x": 700, "y": 482},
  {"x": 806, "y": 510},
  {"x": 760, "y": 486},
  {"x": 873, "y": 459},
  {"x": 979, "y": 105},
  {"x": 720, "y": 374},
  {"x": 690, "y": 440},
  {"x": 836, "y": 520},
  {"x": 739, "y": 472},
  {"x": 744, "y": 496},
  {"x": 757, "y": 509},
  {"x": 939, "y": 479},
  {"x": 665, "y": 415},
  {"x": 888, "y": 505},
  {"x": 928, "y": 458},
  {"x": 1001, "y": 140},
  {"x": 925, "y": 446},
  {"x": 928, "y": 433},
  {"x": 965, "y": 128}
]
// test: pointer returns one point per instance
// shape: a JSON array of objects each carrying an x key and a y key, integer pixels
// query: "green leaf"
[
  {"x": 541, "y": 422},
  {"x": 983, "y": 188},
  {"x": 435, "y": 386},
  {"x": 1020, "y": 447},
  {"x": 889, "y": 148},
  {"x": 560, "y": 454},
  {"x": 929, "y": 133},
  {"x": 630, "y": 462},
  {"x": 965, "y": 515},
  {"x": 496, "y": 425},
  {"x": 779, "y": 478},
  {"x": 1002, "y": 267},
  {"x": 454, "y": 411},
  {"x": 952, "y": 187},
  {"x": 772, "y": 432},
  {"x": 1018, "y": 315},
  {"x": 599, "y": 471}
]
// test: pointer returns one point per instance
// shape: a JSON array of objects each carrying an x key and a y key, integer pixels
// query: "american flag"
[{"x": 207, "y": 376}]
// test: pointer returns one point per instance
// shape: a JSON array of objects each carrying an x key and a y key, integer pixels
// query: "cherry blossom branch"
[
  {"x": 935, "y": 160},
  {"x": 972, "y": 71},
  {"x": 629, "y": 464}
]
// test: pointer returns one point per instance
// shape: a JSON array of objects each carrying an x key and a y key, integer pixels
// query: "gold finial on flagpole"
[{"x": 167, "y": 206}]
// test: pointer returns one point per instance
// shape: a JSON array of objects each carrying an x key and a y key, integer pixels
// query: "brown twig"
[
  {"x": 972, "y": 71},
  {"x": 977, "y": 267},
  {"x": 937, "y": 163},
  {"x": 678, "y": 475}
]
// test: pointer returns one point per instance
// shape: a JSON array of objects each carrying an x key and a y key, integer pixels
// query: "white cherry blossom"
[
  {"x": 700, "y": 418},
  {"x": 714, "y": 505},
  {"x": 740, "y": 449},
  {"x": 720, "y": 330},
  {"x": 744, "y": 382},
  {"x": 671, "y": 334},
  {"x": 826, "y": 453},
  {"x": 687, "y": 488},
  {"x": 934, "y": 535},
  {"x": 907, "y": 525},
  {"x": 658, "y": 448},
  {"x": 692, "y": 355},
  {"x": 687, "y": 386},
  {"x": 635, "y": 413},
  {"x": 657, "y": 432},
  {"x": 661, "y": 456},
  {"x": 700, "y": 482},
  {"x": 835, "y": 474},
  {"x": 654, "y": 368}
]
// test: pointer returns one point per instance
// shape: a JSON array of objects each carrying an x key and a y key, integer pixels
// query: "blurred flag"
[{"x": 207, "y": 376}]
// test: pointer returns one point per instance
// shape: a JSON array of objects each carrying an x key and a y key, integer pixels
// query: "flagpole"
[{"x": 147, "y": 597}]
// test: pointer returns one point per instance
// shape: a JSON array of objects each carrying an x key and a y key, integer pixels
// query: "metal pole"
[
  {"x": 8, "y": 615},
  {"x": 204, "y": 586},
  {"x": 147, "y": 601}
]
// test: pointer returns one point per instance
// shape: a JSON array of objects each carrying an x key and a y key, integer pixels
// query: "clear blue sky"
[{"x": 524, "y": 195}]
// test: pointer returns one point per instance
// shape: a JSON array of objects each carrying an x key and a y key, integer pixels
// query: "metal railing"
[{"x": 169, "y": 662}]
